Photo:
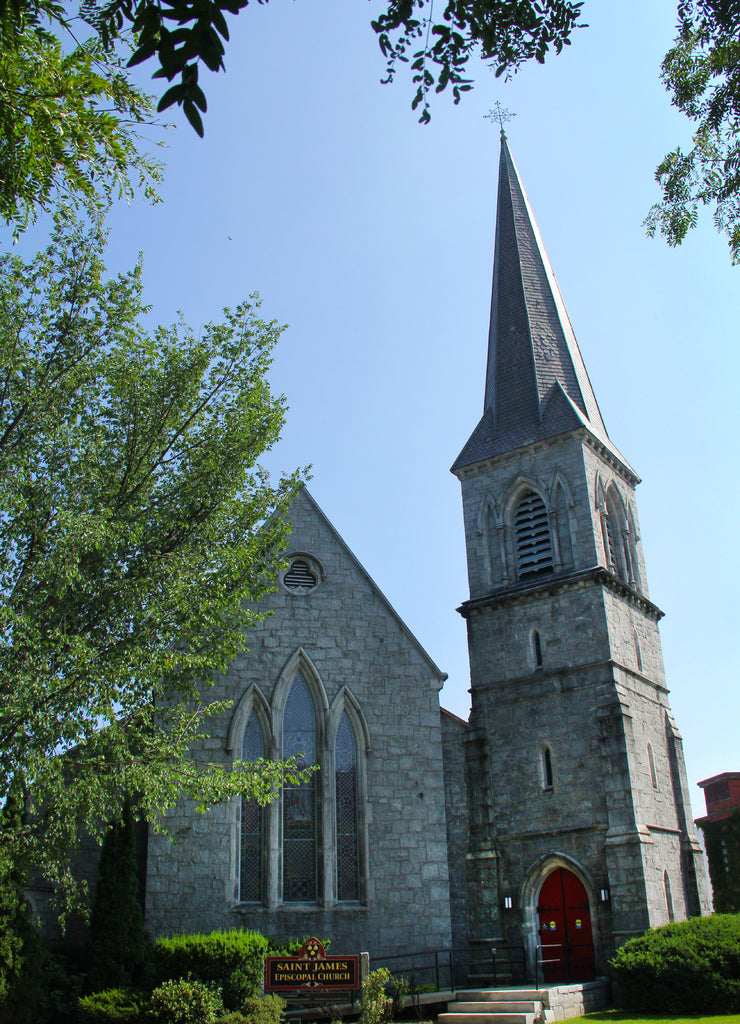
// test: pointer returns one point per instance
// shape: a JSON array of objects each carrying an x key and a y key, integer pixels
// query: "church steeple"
[
  {"x": 537, "y": 386},
  {"x": 568, "y": 693}
]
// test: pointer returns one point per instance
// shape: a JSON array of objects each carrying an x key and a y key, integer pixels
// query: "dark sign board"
[{"x": 312, "y": 971}]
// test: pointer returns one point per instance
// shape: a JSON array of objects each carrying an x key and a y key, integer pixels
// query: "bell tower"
[{"x": 575, "y": 764}]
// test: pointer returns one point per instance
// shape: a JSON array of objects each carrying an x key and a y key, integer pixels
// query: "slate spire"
[{"x": 536, "y": 382}]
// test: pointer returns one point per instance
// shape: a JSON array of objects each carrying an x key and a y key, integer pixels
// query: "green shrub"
[
  {"x": 291, "y": 947},
  {"x": 113, "y": 1006},
  {"x": 215, "y": 958},
  {"x": 263, "y": 1010},
  {"x": 686, "y": 967},
  {"x": 233, "y": 1017},
  {"x": 185, "y": 1001},
  {"x": 375, "y": 1006}
]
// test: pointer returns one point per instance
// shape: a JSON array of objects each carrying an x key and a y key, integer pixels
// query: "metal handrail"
[{"x": 491, "y": 960}]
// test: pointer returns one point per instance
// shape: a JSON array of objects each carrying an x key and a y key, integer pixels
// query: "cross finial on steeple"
[{"x": 500, "y": 114}]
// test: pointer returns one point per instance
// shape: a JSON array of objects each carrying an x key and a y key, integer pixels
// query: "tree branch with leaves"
[
  {"x": 702, "y": 72},
  {"x": 138, "y": 532}
]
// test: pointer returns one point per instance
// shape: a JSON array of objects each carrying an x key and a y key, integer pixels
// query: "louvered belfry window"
[
  {"x": 299, "y": 577},
  {"x": 348, "y": 847},
  {"x": 251, "y": 868},
  {"x": 300, "y": 820},
  {"x": 532, "y": 536}
]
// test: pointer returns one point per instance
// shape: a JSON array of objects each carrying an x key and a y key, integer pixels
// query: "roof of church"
[
  {"x": 304, "y": 495},
  {"x": 537, "y": 386}
]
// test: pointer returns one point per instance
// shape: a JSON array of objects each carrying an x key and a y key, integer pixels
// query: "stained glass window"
[
  {"x": 251, "y": 874},
  {"x": 300, "y": 821},
  {"x": 345, "y": 766}
]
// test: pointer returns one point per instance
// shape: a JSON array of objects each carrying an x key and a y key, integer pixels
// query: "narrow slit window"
[
  {"x": 252, "y": 839},
  {"x": 668, "y": 895},
  {"x": 300, "y": 817},
  {"x": 347, "y": 808},
  {"x": 651, "y": 760},
  {"x": 546, "y": 768},
  {"x": 537, "y": 649}
]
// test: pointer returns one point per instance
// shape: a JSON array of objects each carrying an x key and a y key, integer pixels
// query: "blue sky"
[{"x": 372, "y": 238}]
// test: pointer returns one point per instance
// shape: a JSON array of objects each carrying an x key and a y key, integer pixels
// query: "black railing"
[
  {"x": 564, "y": 962},
  {"x": 490, "y": 965}
]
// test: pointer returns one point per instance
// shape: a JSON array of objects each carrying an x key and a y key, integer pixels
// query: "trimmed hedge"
[
  {"x": 214, "y": 958},
  {"x": 686, "y": 967}
]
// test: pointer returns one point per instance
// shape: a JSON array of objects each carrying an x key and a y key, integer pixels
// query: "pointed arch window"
[
  {"x": 310, "y": 845},
  {"x": 252, "y": 825},
  {"x": 532, "y": 541},
  {"x": 616, "y": 537},
  {"x": 347, "y": 812},
  {"x": 300, "y": 817}
]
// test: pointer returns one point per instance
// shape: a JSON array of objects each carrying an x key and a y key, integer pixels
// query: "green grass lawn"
[{"x": 624, "y": 1017}]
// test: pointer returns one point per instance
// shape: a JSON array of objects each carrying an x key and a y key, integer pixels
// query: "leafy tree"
[
  {"x": 137, "y": 531},
  {"x": 68, "y": 128},
  {"x": 702, "y": 71}
]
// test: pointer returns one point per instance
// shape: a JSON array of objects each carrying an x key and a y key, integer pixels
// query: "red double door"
[{"x": 566, "y": 943}]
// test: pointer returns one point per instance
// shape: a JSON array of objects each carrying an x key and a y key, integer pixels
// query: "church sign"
[{"x": 312, "y": 971}]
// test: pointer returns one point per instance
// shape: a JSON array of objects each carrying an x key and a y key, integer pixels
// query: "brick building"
[
  {"x": 557, "y": 819},
  {"x": 721, "y": 828}
]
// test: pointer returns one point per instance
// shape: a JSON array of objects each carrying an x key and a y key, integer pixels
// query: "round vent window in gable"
[{"x": 302, "y": 576}]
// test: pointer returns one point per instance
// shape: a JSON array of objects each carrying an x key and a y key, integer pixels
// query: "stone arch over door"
[{"x": 576, "y": 918}]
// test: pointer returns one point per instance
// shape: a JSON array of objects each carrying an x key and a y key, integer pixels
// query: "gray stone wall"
[
  {"x": 358, "y": 656},
  {"x": 615, "y": 812},
  {"x": 456, "y": 808}
]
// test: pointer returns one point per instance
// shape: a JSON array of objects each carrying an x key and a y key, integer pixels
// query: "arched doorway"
[{"x": 566, "y": 948}]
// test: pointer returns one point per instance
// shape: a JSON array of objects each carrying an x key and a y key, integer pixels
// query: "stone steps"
[
  {"x": 486, "y": 1018},
  {"x": 500, "y": 1006}
]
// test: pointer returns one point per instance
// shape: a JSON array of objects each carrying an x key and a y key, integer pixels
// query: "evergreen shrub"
[
  {"x": 263, "y": 1010},
  {"x": 119, "y": 947},
  {"x": 234, "y": 960},
  {"x": 185, "y": 1001},
  {"x": 113, "y": 1006},
  {"x": 686, "y": 967}
]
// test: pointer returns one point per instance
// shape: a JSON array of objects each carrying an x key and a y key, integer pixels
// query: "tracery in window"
[
  {"x": 532, "y": 541},
  {"x": 310, "y": 845},
  {"x": 300, "y": 818},
  {"x": 347, "y": 812},
  {"x": 300, "y": 577},
  {"x": 251, "y": 864}
]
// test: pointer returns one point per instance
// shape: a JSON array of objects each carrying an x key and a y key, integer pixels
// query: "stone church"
[{"x": 557, "y": 819}]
